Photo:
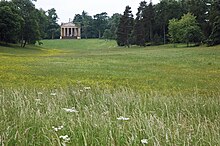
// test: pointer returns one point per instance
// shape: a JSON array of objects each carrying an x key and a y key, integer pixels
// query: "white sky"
[{"x": 68, "y": 8}]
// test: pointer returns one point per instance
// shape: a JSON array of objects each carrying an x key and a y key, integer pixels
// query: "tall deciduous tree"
[
  {"x": 53, "y": 27},
  {"x": 10, "y": 22},
  {"x": 164, "y": 11},
  {"x": 100, "y": 23},
  {"x": 186, "y": 30},
  {"x": 112, "y": 27},
  {"x": 29, "y": 32},
  {"x": 124, "y": 33}
]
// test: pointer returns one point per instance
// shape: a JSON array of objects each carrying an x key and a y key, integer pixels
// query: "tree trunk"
[
  {"x": 22, "y": 39},
  {"x": 99, "y": 34},
  {"x": 25, "y": 42},
  {"x": 52, "y": 35}
]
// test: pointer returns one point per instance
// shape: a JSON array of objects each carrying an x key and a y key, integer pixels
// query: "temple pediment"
[{"x": 70, "y": 24}]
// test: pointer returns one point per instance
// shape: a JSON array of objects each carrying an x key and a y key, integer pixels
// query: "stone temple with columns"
[{"x": 70, "y": 31}]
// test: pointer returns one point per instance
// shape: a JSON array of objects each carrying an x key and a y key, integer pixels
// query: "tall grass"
[{"x": 27, "y": 117}]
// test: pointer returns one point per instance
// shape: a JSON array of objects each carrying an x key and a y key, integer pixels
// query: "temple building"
[{"x": 70, "y": 31}]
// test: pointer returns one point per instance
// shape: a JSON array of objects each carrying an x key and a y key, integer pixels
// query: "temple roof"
[{"x": 69, "y": 24}]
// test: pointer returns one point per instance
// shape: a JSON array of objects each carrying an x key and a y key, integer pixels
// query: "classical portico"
[{"x": 70, "y": 31}]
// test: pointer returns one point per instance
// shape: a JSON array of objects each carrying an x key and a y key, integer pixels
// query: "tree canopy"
[{"x": 185, "y": 30}]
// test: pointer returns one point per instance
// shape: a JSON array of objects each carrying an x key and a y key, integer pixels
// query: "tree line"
[
  {"x": 175, "y": 21},
  {"x": 21, "y": 22},
  {"x": 182, "y": 21}
]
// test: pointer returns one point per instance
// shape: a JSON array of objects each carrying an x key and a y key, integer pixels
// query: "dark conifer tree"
[
  {"x": 214, "y": 38},
  {"x": 124, "y": 33},
  {"x": 139, "y": 30}
]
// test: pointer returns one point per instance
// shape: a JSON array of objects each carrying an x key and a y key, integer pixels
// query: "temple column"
[
  {"x": 64, "y": 32},
  {"x": 67, "y": 31},
  {"x": 61, "y": 32},
  {"x": 79, "y": 32},
  {"x": 71, "y": 32},
  {"x": 75, "y": 32}
]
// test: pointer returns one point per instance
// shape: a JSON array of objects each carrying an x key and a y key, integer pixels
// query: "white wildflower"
[
  {"x": 144, "y": 141},
  {"x": 53, "y": 94},
  {"x": 80, "y": 90},
  {"x": 71, "y": 110},
  {"x": 87, "y": 88},
  {"x": 57, "y": 128},
  {"x": 65, "y": 138},
  {"x": 123, "y": 118}
]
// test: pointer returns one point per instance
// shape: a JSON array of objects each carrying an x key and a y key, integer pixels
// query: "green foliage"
[
  {"x": 214, "y": 38},
  {"x": 215, "y": 35},
  {"x": 86, "y": 23},
  {"x": 164, "y": 11},
  {"x": 107, "y": 34},
  {"x": 53, "y": 28},
  {"x": 139, "y": 26},
  {"x": 100, "y": 23},
  {"x": 10, "y": 22},
  {"x": 174, "y": 30},
  {"x": 113, "y": 24},
  {"x": 185, "y": 30},
  {"x": 124, "y": 32}
]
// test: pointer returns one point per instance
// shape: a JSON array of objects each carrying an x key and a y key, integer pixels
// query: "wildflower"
[
  {"x": 53, "y": 94},
  {"x": 71, "y": 110},
  {"x": 65, "y": 138},
  {"x": 122, "y": 118},
  {"x": 39, "y": 93},
  {"x": 57, "y": 128},
  {"x": 144, "y": 141},
  {"x": 87, "y": 88},
  {"x": 80, "y": 90}
]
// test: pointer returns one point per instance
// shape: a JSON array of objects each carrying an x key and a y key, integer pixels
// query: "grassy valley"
[{"x": 102, "y": 94}]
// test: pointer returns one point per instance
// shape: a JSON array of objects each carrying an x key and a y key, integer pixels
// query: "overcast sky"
[{"x": 68, "y": 8}]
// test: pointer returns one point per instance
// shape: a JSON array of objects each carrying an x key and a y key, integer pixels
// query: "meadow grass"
[
  {"x": 101, "y": 94},
  {"x": 101, "y": 63},
  {"x": 28, "y": 118}
]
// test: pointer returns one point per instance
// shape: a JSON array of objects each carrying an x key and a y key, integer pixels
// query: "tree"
[
  {"x": 52, "y": 23},
  {"x": 112, "y": 27},
  {"x": 29, "y": 32},
  {"x": 201, "y": 10},
  {"x": 124, "y": 32},
  {"x": 148, "y": 18},
  {"x": 165, "y": 11},
  {"x": 107, "y": 34},
  {"x": 214, "y": 38},
  {"x": 185, "y": 30},
  {"x": 86, "y": 23},
  {"x": 43, "y": 25},
  {"x": 174, "y": 30},
  {"x": 100, "y": 23},
  {"x": 215, "y": 35},
  {"x": 10, "y": 22},
  {"x": 139, "y": 26}
]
